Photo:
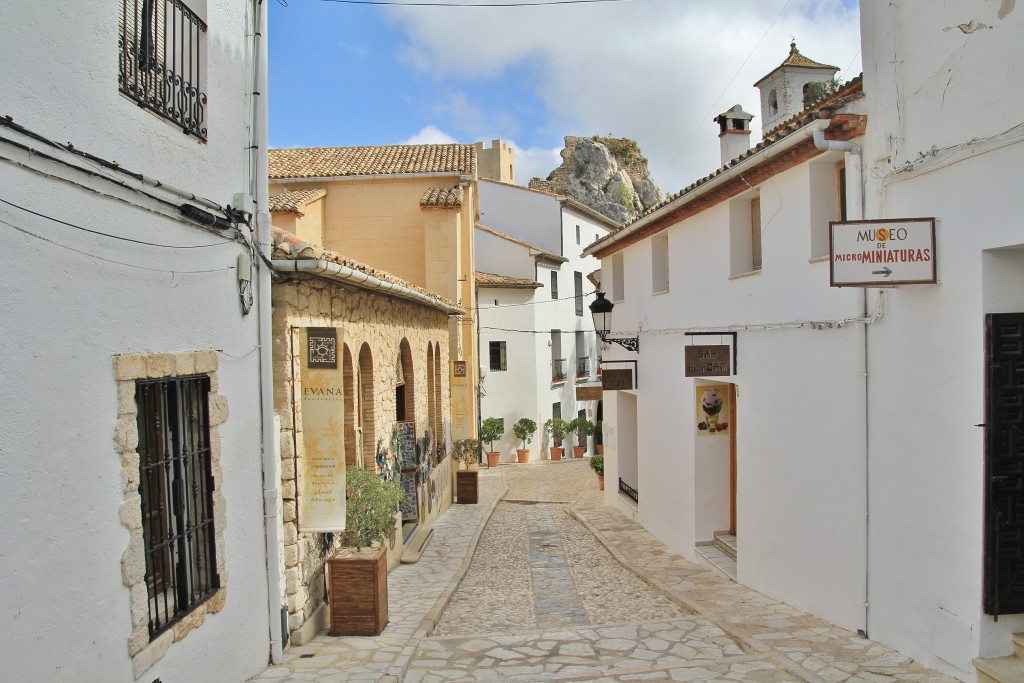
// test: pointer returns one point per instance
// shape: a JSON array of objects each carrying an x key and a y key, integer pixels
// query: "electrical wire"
[
  {"x": 527, "y": 303},
  {"x": 108, "y": 260},
  {"x": 105, "y": 234},
  {"x": 400, "y": 3}
]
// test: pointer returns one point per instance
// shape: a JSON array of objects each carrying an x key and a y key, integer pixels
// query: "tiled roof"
[
  {"x": 550, "y": 255},
  {"x": 442, "y": 197},
  {"x": 288, "y": 246},
  {"x": 795, "y": 59},
  {"x": 330, "y": 162},
  {"x": 851, "y": 90},
  {"x": 504, "y": 282},
  {"x": 289, "y": 202}
]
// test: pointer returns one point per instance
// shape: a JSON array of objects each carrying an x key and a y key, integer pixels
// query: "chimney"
[{"x": 734, "y": 135}]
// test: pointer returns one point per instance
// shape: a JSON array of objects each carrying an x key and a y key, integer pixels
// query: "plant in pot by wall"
[
  {"x": 599, "y": 437},
  {"x": 524, "y": 429},
  {"x": 467, "y": 453},
  {"x": 491, "y": 430},
  {"x": 556, "y": 428},
  {"x": 597, "y": 464},
  {"x": 358, "y": 571},
  {"x": 583, "y": 429}
]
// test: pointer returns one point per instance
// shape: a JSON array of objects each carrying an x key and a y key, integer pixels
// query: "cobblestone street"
[{"x": 542, "y": 582}]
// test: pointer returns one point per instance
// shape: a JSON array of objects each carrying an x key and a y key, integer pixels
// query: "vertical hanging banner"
[
  {"x": 322, "y": 459},
  {"x": 460, "y": 400}
]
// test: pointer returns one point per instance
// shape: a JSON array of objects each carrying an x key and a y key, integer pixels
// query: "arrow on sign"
[{"x": 884, "y": 272}]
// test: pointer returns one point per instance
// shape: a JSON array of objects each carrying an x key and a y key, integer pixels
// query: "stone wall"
[{"x": 373, "y": 329}]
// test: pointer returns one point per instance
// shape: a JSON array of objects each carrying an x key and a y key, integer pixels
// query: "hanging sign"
[
  {"x": 707, "y": 360},
  {"x": 589, "y": 393},
  {"x": 878, "y": 253},
  {"x": 617, "y": 380},
  {"x": 321, "y": 499}
]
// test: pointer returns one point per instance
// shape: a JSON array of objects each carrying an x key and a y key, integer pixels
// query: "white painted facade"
[
  {"x": 859, "y": 465},
  {"x": 74, "y": 301},
  {"x": 524, "y": 319}
]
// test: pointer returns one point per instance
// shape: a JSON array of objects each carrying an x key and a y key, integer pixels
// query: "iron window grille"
[
  {"x": 628, "y": 491},
  {"x": 554, "y": 284},
  {"x": 558, "y": 370},
  {"x": 499, "y": 361},
  {"x": 583, "y": 367},
  {"x": 162, "y": 51},
  {"x": 176, "y": 488}
]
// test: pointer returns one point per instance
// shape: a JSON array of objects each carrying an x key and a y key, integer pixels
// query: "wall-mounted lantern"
[{"x": 601, "y": 309}]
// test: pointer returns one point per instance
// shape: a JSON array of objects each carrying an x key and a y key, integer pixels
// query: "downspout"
[
  {"x": 271, "y": 461},
  {"x": 855, "y": 212}
]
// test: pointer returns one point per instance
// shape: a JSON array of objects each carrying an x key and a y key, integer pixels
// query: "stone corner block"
[
  {"x": 206, "y": 362},
  {"x": 160, "y": 365},
  {"x": 151, "y": 654},
  {"x": 129, "y": 366}
]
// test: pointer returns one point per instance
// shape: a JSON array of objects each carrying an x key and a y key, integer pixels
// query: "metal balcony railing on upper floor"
[
  {"x": 582, "y": 367},
  {"x": 558, "y": 373}
]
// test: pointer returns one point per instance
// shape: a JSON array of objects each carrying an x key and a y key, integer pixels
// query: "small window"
[
  {"x": 577, "y": 234},
  {"x": 828, "y": 203},
  {"x": 618, "y": 280},
  {"x": 554, "y": 284},
  {"x": 659, "y": 263},
  {"x": 744, "y": 235},
  {"x": 556, "y": 411},
  {"x": 176, "y": 492},
  {"x": 773, "y": 103},
  {"x": 577, "y": 279},
  {"x": 499, "y": 361},
  {"x": 755, "y": 233}
]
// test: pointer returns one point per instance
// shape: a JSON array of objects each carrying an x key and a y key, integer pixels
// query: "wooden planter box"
[
  {"x": 358, "y": 588},
  {"x": 466, "y": 487}
]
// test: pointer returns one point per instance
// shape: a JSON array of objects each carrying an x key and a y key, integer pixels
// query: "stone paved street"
[{"x": 542, "y": 582}]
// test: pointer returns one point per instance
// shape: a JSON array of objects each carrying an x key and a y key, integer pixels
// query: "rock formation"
[{"x": 609, "y": 175}]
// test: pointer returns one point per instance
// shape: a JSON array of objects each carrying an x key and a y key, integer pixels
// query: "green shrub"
[
  {"x": 524, "y": 429},
  {"x": 491, "y": 430},
  {"x": 370, "y": 508},
  {"x": 557, "y": 428},
  {"x": 466, "y": 451},
  {"x": 597, "y": 464}
]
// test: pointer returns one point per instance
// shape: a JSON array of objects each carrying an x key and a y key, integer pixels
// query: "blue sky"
[{"x": 656, "y": 71}]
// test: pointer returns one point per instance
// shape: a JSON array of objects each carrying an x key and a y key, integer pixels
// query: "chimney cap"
[{"x": 735, "y": 113}]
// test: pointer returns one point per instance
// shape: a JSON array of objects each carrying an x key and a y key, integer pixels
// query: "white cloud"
[
  {"x": 535, "y": 162},
  {"x": 656, "y": 71},
  {"x": 429, "y": 135}
]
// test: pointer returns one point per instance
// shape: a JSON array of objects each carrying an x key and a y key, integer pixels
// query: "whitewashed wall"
[{"x": 68, "y": 313}]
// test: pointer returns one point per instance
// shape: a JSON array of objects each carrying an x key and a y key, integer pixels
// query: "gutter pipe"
[
  {"x": 271, "y": 458},
  {"x": 855, "y": 212},
  {"x": 361, "y": 279}
]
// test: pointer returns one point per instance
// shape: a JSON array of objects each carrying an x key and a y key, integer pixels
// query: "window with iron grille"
[
  {"x": 554, "y": 284},
  {"x": 176, "y": 488},
  {"x": 578, "y": 282},
  {"x": 498, "y": 359},
  {"x": 162, "y": 61}
]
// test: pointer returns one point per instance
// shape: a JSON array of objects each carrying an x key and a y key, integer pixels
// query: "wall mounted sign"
[
  {"x": 321, "y": 499},
  {"x": 589, "y": 393},
  {"x": 617, "y": 380},
  {"x": 712, "y": 409},
  {"x": 707, "y": 360},
  {"x": 882, "y": 252}
]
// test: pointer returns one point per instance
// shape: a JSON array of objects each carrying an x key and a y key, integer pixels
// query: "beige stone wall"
[{"x": 380, "y": 323}]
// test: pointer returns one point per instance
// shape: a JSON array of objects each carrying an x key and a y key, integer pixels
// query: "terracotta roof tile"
[
  {"x": 290, "y": 202},
  {"x": 442, "y": 197},
  {"x": 550, "y": 255},
  {"x": 329, "y": 162},
  {"x": 288, "y": 246},
  {"x": 795, "y": 59},
  {"x": 504, "y": 281}
]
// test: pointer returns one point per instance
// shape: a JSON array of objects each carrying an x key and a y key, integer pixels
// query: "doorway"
[{"x": 715, "y": 470}]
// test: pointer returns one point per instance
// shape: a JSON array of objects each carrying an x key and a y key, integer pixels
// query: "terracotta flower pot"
[
  {"x": 523, "y": 454},
  {"x": 600, "y": 449},
  {"x": 600, "y": 483},
  {"x": 493, "y": 458},
  {"x": 556, "y": 453},
  {"x": 578, "y": 451}
]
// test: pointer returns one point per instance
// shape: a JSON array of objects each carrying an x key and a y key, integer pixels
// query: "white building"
[
  {"x": 131, "y": 486},
  {"x": 537, "y": 341},
  {"x": 852, "y": 467}
]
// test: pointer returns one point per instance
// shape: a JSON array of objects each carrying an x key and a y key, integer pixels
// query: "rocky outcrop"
[{"x": 609, "y": 175}]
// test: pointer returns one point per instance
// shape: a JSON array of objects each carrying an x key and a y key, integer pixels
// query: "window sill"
[
  {"x": 738, "y": 276},
  {"x": 659, "y": 292},
  {"x": 818, "y": 259}
]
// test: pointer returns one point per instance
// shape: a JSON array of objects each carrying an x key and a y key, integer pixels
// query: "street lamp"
[{"x": 601, "y": 309}]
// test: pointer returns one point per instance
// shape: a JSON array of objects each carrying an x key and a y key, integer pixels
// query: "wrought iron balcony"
[
  {"x": 583, "y": 367},
  {"x": 629, "y": 492},
  {"x": 558, "y": 373},
  {"x": 162, "y": 61}
]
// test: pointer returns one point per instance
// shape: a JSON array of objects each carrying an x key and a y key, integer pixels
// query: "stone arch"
[
  {"x": 405, "y": 383},
  {"x": 366, "y": 415},
  {"x": 352, "y": 401},
  {"x": 773, "y": 102}
]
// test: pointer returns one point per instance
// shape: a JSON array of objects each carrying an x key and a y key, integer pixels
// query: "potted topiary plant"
[
  {"x": 490, "y": 431},
  {"x": 556, "y": 428},
  {"x": 466, "y": 452},
  {"x": 597, "y": 464},
  {"x": 358, "y": 571},
  {"x": 524, "y": 429},
  {"x": 599, "y": 437},
  {"x": 583, "y": 428}
]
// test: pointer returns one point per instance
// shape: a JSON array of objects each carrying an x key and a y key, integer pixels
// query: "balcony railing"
[
  {"x": 583, "y": 367},
  {"x": 161, "y": 65},
  {"x": 629, "y": 492},
  {"x": 558, "y": 370}
]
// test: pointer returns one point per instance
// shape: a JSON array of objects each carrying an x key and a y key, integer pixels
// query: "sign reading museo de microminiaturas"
[
  {"x": 707, "y": 360},
  {"x": 883, "y": 252},
  {"x": 322, "y": 465}
]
